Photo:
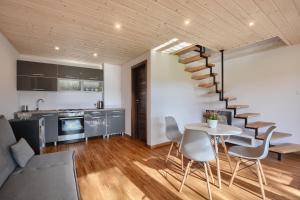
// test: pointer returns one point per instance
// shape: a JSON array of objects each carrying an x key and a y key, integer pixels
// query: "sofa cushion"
[
  {"x": 47, "y": 177},
  {"x": 22, "y": 152},
  {"x": 7, "y": 138}
]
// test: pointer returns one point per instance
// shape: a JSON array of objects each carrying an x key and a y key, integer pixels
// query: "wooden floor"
[{"x": 123, "y": 168}]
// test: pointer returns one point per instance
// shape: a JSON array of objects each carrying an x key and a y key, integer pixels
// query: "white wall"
[
  {"x": 8, "y": 98},
  {"x": 269, "y": 82},
  {"x": 58, "y": 100},
  {"x": 170, "y": 91},
  {"x": 173, "y": 93},
  {"x": 126, "y": 92},
  {"x": 112, "y": 85}
]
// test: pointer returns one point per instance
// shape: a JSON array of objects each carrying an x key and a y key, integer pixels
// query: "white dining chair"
[
  {"x": 196, "y": 146},
  {"x": 174, "y": 135},
  {"x": 254, "y": 154}
]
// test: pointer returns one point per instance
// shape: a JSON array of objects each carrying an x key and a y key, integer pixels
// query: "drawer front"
[{"x": 116, "y": 112}]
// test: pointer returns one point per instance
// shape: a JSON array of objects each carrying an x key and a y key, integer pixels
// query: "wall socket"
[{"x": 297, "y": 92}]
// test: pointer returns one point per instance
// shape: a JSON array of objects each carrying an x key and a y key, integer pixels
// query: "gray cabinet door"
[
  {"x": 36, "y": 83},
  {"x": 51, "y": 126},
  {"x": 27, "y": 68},
  {"x": 115, "y": 122},
  {"x": 91, "y": 74},
  {"x": 69, "y": 72},
  {"x": 95, "y": 123}
]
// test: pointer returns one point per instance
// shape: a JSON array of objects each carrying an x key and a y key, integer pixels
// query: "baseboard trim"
[{"x": 159, "y": 145}]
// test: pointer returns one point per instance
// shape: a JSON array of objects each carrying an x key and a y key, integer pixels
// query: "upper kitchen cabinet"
[
  {"x": 36, "y": 83},
  {"x": 69, "y": 72},
  {"x": 91, "y": 74},
  {"x": 27, "y": 68}
]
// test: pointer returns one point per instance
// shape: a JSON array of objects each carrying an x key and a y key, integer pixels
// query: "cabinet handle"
[
  {"x": 69, "y": 76},
  {"x": 96, "y": 117},
  {"x": 48, "y": 115},
  {"x": 116, "y": 111},
  {"x": 37, "y": 89},
  {"x": 116, "y": 116},
  {"x": 37, "y": 74},
  {"x": 91, "y": 78}
]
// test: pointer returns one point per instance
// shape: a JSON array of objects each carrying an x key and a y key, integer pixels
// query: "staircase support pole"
[{"x": 222, "y": 74}]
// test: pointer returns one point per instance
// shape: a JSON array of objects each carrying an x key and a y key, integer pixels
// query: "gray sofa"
[{"x": 45, "y": 177}]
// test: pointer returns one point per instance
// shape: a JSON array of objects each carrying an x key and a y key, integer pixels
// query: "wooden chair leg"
[
  {"x": 235, "y": 172},
  {"x": 210, "y": 173},
  {"x": 169, "y": 151},
  {"x": 262, "y": 173},
  {"x": 207, "y": 180},
  {"x": 185, "y": 175},
  {"x": 226, "y": 152},
  {"x": 260, "y": 180}
]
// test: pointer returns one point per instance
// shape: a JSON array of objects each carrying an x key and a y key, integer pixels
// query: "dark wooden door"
[{"x": 139, "y": 101}]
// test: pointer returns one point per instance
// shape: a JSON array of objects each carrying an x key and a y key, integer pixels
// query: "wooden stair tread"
[
  {"x": 275, "y": 135},
  {"x": 193, "y": 58},
  {"x": 246, "y": 115},
  {"x": 198, "y": 68},
  {"x": 186, "y": 50},
  {"x": 285, "y": 148},
  {"x": 259, "y": 124},
  {"x": 230, "y": 98},
  {"x": 237, "y": 106},
  {"x": 201, "y": 77},
  {"x": 207, "y": 85}
]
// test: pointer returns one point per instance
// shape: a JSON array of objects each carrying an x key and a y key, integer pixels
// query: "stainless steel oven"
[{"x": 70, "y": 125}]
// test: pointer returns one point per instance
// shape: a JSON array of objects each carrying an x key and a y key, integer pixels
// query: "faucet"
[{"x": 38, "y": 102}]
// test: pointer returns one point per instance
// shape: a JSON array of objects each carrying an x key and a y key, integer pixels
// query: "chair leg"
[
  {"x": 210, "y": 173},
  {"x": 207, "y": 180},
  {"x": 226, "y": 152},
  {"x": 185, "y": 174},
  {"x": 169, "y": 151},
  {"x": 235, "y": 172},
  {"x": 262, "y": 173},
  {"x": 260, "y": 181},
  {"x": 182, "y": 162}
]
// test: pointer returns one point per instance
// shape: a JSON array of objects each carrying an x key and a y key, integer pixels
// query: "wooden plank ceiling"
[{"x": 81, "y": 28}]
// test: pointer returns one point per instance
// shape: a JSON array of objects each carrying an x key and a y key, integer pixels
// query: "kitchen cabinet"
[
  {"x": 95, "y": 123},
  {"x": 115, "y": 122},
  {"x": 36, "y": 138},
  {"x": 36, "y": 69},
  {"x": 51, "y": 126},
  {"x": 36, "y": 83},
  {"x": 69, "y": 72},
  {"x": 91, "y": 74}
]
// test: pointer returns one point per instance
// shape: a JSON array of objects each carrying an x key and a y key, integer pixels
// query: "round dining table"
[{"x": 217, "y": 133}]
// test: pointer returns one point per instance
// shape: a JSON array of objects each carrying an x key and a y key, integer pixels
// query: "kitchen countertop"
[{"x": 56, "y": 111}]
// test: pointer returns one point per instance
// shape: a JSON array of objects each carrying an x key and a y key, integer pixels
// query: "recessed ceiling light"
[
  {"x": 251, "y": 24},
  {"x": 118, "y": 26},
  {"x": 95, "y": 54},
  {"x": 187, "y": 22},
  {"x": 56, "y": 48}
]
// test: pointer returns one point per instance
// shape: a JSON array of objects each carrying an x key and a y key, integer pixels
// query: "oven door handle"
[{"x": 62, "y": 118}]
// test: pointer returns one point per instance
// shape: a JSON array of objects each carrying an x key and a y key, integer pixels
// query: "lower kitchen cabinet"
[
  {"x": 51, "y": 126},
  {"x": 115, "y": 122},
  {"x": 95, "y": 123}
]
